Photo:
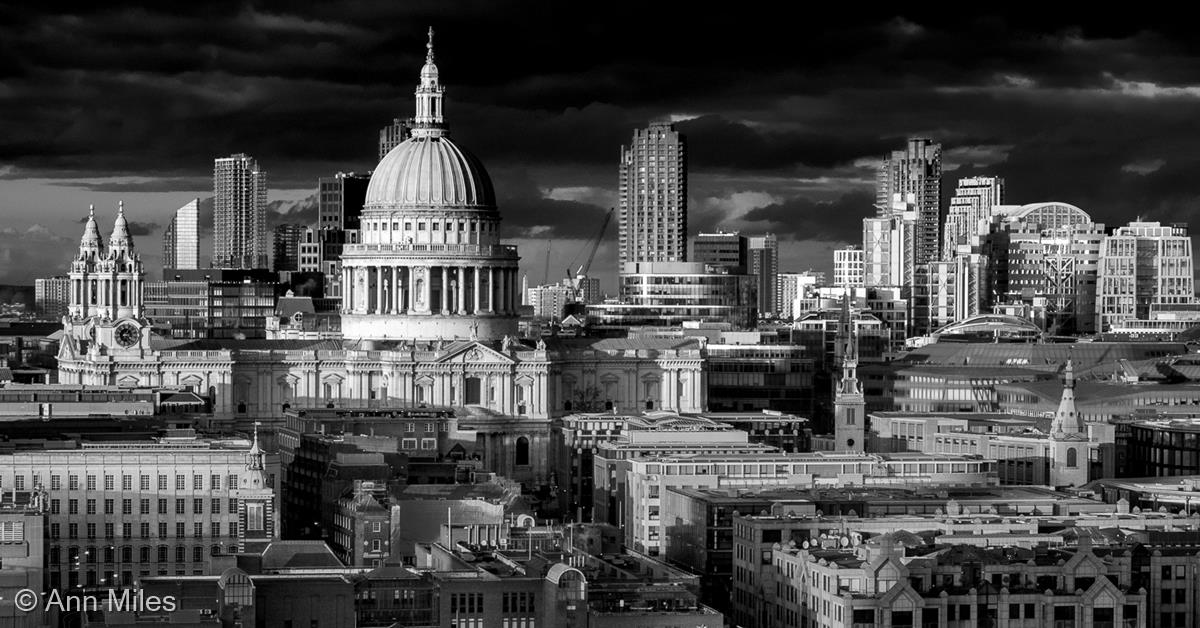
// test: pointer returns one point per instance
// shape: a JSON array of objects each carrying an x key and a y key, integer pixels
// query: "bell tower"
[
  {"x": 1069, "y": 442},
  {"x": 849, "y": 403},
  {"x": 106, "y": 308}
]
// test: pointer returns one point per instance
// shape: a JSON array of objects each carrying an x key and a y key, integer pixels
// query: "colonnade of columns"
[
  {"x": 447, "y": 290},
  {"x": 104, "y": 294}
]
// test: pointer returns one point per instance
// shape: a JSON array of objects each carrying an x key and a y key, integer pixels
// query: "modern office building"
[
  {"x": 393, "y": 135},
  {"x": 666, "y": 294},
  {"x": 793, "y": 286},
  {"x": 1143, "y": 264},
  {"x": 181, "y": 239},
  {"x": 891, "y": 245},
  {"x": 653, "y": 197},
  {"x": 848, "y": 267},
  {"x": 723, "y": 250},
  {"x": 340, "y": 200},
  {"x": 52, "y": 296},
  {"x": 763, "y": 263},
  {"x": 550, "y": 301},
  {"x": 213, "y": 303},
  {"x": 971, "y": 204},
  {"x": 914, "y": 174},
  {"x": 239, "y": 213},
  {"x": 286, "y": 247}
]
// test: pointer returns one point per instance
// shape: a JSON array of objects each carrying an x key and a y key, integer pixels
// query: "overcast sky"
[{"x": 786, "y": 115}]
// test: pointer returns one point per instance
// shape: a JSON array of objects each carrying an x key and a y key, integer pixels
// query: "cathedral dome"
[{"x": 429, "y": 170}]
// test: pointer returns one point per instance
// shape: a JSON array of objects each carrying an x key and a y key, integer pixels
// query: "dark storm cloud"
[
  {"x": 528, "y": 213},
  {"x": 837, "y": 220},
  {"x": 133, "y": 99}
]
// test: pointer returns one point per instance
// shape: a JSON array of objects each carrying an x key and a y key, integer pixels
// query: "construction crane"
[{"x": 582, "y": 272}]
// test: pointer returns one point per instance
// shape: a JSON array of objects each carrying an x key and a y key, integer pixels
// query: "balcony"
[{"x": 481, "y": 250}]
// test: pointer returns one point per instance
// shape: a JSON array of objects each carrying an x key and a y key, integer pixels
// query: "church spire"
[
  {"x": 1067, "y": 420},
  {"x": 429, "y": 121}
]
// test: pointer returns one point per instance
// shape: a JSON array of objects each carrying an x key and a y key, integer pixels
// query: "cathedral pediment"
[{"x": 475, "y": 353}]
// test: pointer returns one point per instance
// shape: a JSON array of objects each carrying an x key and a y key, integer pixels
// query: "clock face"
[{"x": 127, "y": 334}]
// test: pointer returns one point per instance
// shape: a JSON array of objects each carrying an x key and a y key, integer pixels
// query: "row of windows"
[
  {"x": 143, "y": 506},
  {"x": 92, "y": 555},
  {"x": 214, "y": 530},
  {"x": 144, "y": 482}
]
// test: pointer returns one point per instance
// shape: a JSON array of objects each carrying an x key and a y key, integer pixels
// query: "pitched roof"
[{"x": 299, "y": 555}]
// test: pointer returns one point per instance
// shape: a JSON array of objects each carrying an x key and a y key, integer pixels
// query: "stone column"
[
  {"x": 377, "y": 308},
  {"x": 396, "y": 291},
  {"x": 491, "y": 290},
  {"x": 427, "y": 291},
  {"x": 445, "y": 290},
  {"x": 462, "y": 290},
  {"x": 475, "y": 304}
]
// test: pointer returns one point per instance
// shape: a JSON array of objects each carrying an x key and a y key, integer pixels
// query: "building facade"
[
  {"x": 971, "y": 204},
  {"x": 52, "y": 296},
  {"x": 653, "y": 196},
  {"x": 848, "y": 267},
  {"x": 1143, "y": 264},
  {"x": 763, "y": 263},
  {"x": 118, "y": 511},
  {"x": 181, "y": 239},
  {"x": 285, "y": 241},
  {"x": 239, "y": 213},
  {"x": 915, "y": 174}
]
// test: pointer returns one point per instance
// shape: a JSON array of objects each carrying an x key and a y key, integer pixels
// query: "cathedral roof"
[{"x": 428, "y": 170}]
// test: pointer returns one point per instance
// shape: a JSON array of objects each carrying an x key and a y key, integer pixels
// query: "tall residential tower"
[
  {"x": 239, "y": 213},
  {"x": 915, "y": 176},
  {"x": 653, "y": 188}
]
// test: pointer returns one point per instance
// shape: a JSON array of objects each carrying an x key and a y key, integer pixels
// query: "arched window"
[
  {"x": 1072, "y": 458},
  {"x": 241, "y": 407},
  {"x": 215, "y": 550},
  {"x": 522, "y": 451}
]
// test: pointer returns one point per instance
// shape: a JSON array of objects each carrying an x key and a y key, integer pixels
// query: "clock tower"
[{"x": 105, "y": 316}]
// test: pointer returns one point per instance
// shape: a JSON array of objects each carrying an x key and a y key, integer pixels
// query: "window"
[
  {"x": 216, "y": 482},
  {"x": 162, "y": 506},
  {"x": 109, "y": 482},
  {"x": 55, "y": 482},
  {"x": 73, "y": 482},
  {"x": 162, "y": 482},
  {"x": 109, "y": 505},
  {"x": 145, "y": 483},
  {"x": 145, "y": 506},
  {"x": 197, "y": 506},
  {"x": 180, "y": 506},
  {"x": 180, "y": 482},
  {"x": 126, "y": 482},
  {"x": 72, "y": 506},
  {"x": 254, "y": 517},
  {"x": 91, "y": 506},
  {"x": 215, "y": 506},
  {"x": 91, "y": 482},
  {"x": 198, "y": 482}
]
